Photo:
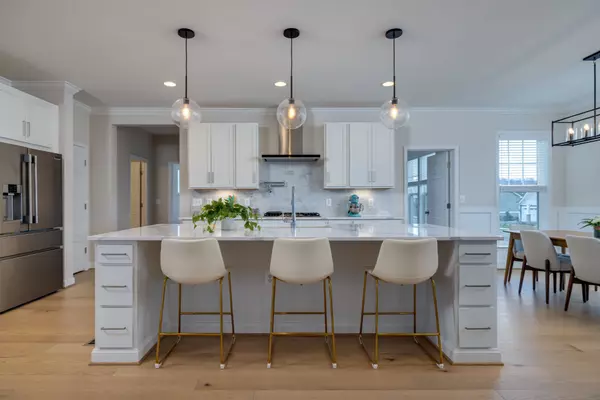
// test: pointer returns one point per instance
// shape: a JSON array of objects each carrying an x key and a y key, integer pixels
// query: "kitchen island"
[{"x": 129, "y": 284}]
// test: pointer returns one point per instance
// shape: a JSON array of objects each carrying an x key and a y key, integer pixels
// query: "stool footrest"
[
  {"x": 308, "y": 334},
  {"x": 192, "y": 334},
  {"x": 407, "y": 334},
  {"x": 299, "y": 313},
  {"x": 391, "y": 313},
  {"x": 204, "y": 313}
]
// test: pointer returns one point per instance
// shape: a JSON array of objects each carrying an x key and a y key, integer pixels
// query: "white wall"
[
  {"x": 136, "y": 143},
  {"x": 166, "y": 150},
  {"x": 81, "y": 124}
]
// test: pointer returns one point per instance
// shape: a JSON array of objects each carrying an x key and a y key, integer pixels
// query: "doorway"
[
  {"x": 138, "y": 192},
  {"x": 429, "y": 187},
  {"x": 174, "y": 191}
]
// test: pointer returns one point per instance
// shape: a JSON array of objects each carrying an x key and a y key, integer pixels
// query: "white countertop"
[
  {"x": 363, "y": 217},
  {"x": 356, "y": 230}
]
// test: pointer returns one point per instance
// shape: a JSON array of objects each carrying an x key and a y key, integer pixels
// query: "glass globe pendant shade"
[
  {"x": 291, "y": 113},
  {"x": 394, "y": 113},
  {"x": 185, "y": 111}
]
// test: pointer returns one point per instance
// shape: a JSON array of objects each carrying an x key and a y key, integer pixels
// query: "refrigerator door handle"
[
  {"x": 36, "y": 203},
  {"x": 29, "y": 198}
]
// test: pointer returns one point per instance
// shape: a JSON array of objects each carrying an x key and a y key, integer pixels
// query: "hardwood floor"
[{"x": 548, "y": 354}]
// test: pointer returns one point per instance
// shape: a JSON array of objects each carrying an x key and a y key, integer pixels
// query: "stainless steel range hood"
[{"x": 290, "y": 148}]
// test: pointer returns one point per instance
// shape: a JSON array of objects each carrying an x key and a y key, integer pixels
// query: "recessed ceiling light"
[
  {"x": 280, "y": 84},
  {"x": 170, "y": 84},
  {"x": 387, "y": 84}
]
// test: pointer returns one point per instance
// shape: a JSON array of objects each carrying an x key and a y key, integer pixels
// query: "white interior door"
[
  {"x": 81, "y": 200},
  {"x": 438, "y": 189}
]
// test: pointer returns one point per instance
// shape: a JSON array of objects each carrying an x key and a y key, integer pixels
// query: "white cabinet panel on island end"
[{"x": 126, "y": 326}]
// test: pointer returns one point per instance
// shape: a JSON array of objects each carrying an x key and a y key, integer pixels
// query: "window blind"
[{"x": 522, "y": 162}]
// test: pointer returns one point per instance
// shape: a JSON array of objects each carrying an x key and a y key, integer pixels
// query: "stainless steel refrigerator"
[{"x": 31, "y": 240}]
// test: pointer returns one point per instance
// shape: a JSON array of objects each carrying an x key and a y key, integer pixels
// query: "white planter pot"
[{"x": 228, "y": 224}]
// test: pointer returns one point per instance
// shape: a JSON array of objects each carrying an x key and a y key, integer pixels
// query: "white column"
[{"x": 61, "y": 93}]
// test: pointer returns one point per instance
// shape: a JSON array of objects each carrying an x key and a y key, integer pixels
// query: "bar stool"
[
  {"x": 193, "y": 262},
  {"x": 403, "y": 262},
  {"x": 303, "y": 261}
]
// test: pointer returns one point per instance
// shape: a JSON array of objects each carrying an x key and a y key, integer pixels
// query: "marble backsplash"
[{"x": 310, "y": 195}]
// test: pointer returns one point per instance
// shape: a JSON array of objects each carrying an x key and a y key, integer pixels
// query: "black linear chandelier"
[{"x": 583, "y": 127}]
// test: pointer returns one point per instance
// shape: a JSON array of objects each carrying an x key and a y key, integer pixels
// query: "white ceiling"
[{"x": 458, "y": 53}]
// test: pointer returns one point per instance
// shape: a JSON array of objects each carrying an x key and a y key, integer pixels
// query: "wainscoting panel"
[{"x": 569, "y": 217}]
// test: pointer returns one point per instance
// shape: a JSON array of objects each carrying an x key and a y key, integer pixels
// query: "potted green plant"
[
  {"x": 593, "y": 222},
  {"x": 225, "y": 210}
]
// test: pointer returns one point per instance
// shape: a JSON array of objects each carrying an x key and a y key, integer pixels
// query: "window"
[{"x": 522, "y": 177}]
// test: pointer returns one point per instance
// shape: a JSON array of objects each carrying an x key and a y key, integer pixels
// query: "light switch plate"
[
  {"x": 371, "y": 202},
  {"x": 463, "y": 199},
  {"x": 196, "y": 202},
  {"x": 247, "y": 202},
  {"x": 328, "y": 202}
]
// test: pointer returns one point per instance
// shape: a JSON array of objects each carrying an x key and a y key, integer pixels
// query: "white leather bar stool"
[
  {"x": 194, "y": 262},
  {"x": 403, "y": 262},
  {"x": 303, "y": 261}
]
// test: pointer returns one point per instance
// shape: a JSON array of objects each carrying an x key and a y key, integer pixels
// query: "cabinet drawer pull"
[
  {"x": 487, "y": 328},
  {"x": 478, "y": 286},
  {"x": 114, "y": 286},
  {"x": 114, "y": 254},
  {"x": 478, "y": 254},
  {"x": 113, "y": 329}
]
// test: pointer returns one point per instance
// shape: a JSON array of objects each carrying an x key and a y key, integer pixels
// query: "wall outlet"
[
  {"x": 247, "y": 202},
  {"x": 158, "y": 202},
  {"x": 328, "y": 202},
  {"x": 371, "y": 202},
  {"x": 268, "y": 278},
  {"x": 196, "y": 202}
]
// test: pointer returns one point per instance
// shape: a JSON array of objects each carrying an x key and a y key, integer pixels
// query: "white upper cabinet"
[
  {"x": 359, "y": 155},
  {"x": 214, "y": 161},
  {"x": 246, "y": 156},
  {"x": 382, "y": 156},
  {"x": 222, "y": 155},
  {"x": 27, "y": 120},
  {"x": 336, "y": 155}
]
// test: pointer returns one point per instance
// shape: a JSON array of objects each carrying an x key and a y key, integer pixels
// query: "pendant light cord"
[
  {"x": 394, "y": 65},
  {"x": 186, "y": 66},
  {"x": 291, "y": 68}
]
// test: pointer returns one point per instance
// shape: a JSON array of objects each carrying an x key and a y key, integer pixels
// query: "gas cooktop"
[{"x": 289, "y": 214}]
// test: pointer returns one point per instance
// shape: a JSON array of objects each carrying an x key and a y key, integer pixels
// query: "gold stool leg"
[
  {"x": 325, "y": 310},
  {"x": 179, "y": 313},
  {"x": 231, "y": 308},
  {"x": 362, "y": 310},
  {"x": 333, "y": 349},
  {"x": 437, "y": 324},
  {"x": 375, "y": 364},
  {"x": 222, "y": 365},
  {"x": 158, "y": 362},
  {"x": 273, "y": 289},
  {"x": 415, "y": 313}
]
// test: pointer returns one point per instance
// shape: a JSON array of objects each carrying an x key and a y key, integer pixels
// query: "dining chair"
[
  {"x": 540, "y": 255},
  {"x": 518, "y": 250},
  {"x": 585, "y": 254}
]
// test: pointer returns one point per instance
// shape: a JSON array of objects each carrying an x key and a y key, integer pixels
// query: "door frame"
[
  {"x": 453, "y": 184},
  {"x": 133, "y": 157}
]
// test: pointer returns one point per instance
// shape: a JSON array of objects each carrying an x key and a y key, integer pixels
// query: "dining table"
[{"x": 558, "y": 238}]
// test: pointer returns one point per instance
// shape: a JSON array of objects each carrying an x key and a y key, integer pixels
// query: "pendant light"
[
  {"x": 185, "y": 110},
  {"x": 291, "y": 112},
  {"x": 394, "y": 113}
]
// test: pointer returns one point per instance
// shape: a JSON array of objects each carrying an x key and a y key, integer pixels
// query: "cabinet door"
[
  {"x": 199, "y": 171},
  {"x": 246, "y": 156},
  {"x": 222, "y": 155},
  {"x": 360, "y": 149},
  {"x": 42, "y": 123},
  {"x": 336, "y": 155},
  {"x": 12, "y": 115},
  {"x": 382, "y": 156}
]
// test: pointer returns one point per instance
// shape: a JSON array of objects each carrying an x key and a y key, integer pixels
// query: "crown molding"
[
  {"x": 48, "y": 85},
  {"x": 83, "y": 106},
  {"x": 5, "y": 81},
  {"x": 162, "y": 111}
]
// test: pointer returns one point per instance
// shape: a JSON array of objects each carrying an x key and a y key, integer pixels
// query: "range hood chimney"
[{"x": 290, "y": 147}]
